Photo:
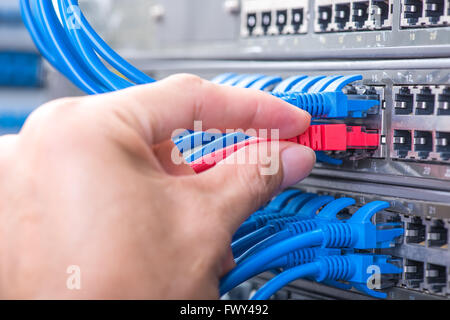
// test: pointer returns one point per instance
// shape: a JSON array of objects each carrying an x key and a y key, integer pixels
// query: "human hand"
[{"x": 90, "y": 182}]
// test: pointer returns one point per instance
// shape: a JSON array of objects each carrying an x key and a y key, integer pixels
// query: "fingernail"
[{"x": 297, "y": 162}]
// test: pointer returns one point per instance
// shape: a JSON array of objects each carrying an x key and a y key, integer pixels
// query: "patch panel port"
[
  {"x": 342, "y": 15},
  {"x": 437, "y": 234},
  {"x": 251, "y": 22},
  {"x": 444, "y": 102},
  {"x": 297, "y": 19},
  {"x": 402, "y": 142},
  {"x": 443, "y": 145},
  {"x": 415, "y": 231},
  {"x": 380, "y": 12},
  {"x": 412, "y": 11},
  {"x": 324, "y": 17},
  {"x": 360, "y": 13},
  {"x": 425, "y": 102},
  {"x": 423, "y": 143},
  {"x": 436, "y": 277},
  {"x": 282, "y": 19},
  {"x": 266, "y": 21},
  {"x": 434, "y": 10},
  {"x": 414, "y": 273},
  {"x": 404, "y": 101}
]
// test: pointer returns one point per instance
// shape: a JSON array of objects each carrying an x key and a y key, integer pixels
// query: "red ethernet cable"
[{"x": 325, "y": 137}]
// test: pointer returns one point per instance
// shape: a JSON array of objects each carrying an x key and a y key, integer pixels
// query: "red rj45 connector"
[{"x": 325, "y": 137}]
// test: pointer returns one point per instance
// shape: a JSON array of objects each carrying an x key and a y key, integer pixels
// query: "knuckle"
[
  {"x": 52, "y": 112},
  {"x": 62, "y": 123},
  {"x": 187, "y": 80}
]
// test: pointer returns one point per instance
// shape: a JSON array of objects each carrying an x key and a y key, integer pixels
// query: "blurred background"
[{"x": 27, "y": 81}]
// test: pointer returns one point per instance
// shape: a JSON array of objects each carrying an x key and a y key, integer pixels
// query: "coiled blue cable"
[
  {"x": 73, "y": 51},
  {"x": 87, "y": 53}
]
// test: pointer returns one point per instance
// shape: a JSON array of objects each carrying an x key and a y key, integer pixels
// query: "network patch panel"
[
  {"x": 260, "y": 17},
  {"x": 421, "y": 123},
  {"x": 425, "y": 13},
  {"x": 336, "y": 16},
  {"x": 423, "y": 252}
]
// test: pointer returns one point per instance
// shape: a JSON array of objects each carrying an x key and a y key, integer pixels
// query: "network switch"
[
  {"x": 274, "y": 18},
  {"x": 338, "y": 16},
  {"x": 420, "y": 123},
  {"x": 425, "y": 13}
]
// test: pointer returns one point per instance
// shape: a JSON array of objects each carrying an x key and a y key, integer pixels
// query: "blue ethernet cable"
[
  {"x": 321, "y": 96},
  {"x": 303, "y": 211},
  {"x": 102, "y": 48},
  {"x": 278, "y": 202},
  {"x": 76, "y": 57},
  {"x": 193, "y": 140},
  {"x": 286, "y": 204},
  {"x": 289, "y": 209},
  {"x": 40, "y": 38},
  {"x": 358, "y": 233},
  {"x": 351, "y": 268},
  {"x": 300, "y": 208},
  {"x": 105, "y": 76},
  {"x": 223, "y": 77},
  {"x": 217, "y": 144},
  {"x": 63, "y": 49},
  {"x": 297, "y": 257},
  {"x": 309, "y": 222}
]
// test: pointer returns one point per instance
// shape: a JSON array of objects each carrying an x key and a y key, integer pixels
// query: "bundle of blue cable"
[
  {"x": 309, "y": 236},
  {"x": 73, "y": 47}
]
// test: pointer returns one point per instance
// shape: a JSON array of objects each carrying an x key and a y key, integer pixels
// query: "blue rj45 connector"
[
  {"x": 356, "y": 233},
  {"x": 353, "y": 268},
  {"x": 328, "y": 104}
]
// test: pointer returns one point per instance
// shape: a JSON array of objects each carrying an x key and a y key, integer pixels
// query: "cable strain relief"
[
  {"x": 261, "y": 221},
  {"x": 314, "y": 103},
  {"x": 279, "y": 224},
  {"x": 337, "y": 235},
  {"x": 302, "y": 226},
  {"x": 301, "y": 256},
  {"x": 334, "y": 268}
]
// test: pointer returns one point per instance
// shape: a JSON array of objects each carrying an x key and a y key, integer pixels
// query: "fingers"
[
  {"x": 178, "y": 101},
  {"x": 244, "y": 186}
]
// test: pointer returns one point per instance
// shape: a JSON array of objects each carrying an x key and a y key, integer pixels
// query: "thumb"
[{"x": 248, "y": 178}]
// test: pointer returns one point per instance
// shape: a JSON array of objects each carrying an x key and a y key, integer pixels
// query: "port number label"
[{"x": 433, "y": 35}]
